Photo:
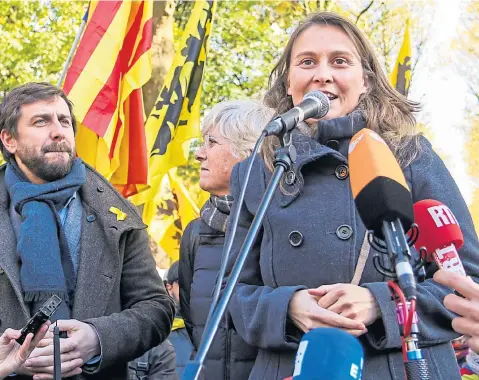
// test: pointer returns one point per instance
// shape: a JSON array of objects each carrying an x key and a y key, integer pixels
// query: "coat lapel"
[
  {"x": 9, "y": 261},
  {"x": 100, "y": 261},
  {"x": 98, "y": 265}
]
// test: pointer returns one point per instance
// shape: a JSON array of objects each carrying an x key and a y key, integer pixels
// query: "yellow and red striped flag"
[
  {"x": 401, "y": 75},
  {"x": 104, "y": 83},
  {"x": 175, "y": 118}
]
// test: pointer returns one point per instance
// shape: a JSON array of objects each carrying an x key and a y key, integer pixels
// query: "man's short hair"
[
  {"x": 27, "y": 94},
  {"x": 173, "y": 273}
]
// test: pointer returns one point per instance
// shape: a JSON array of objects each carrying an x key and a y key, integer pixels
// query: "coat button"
[
  {"x": 344, "y": 232},
  {"x": 1, "y": 270},
  {"x": 91, "y": 218},
  {"x": 100, "y": 189},
  {"x": 290, "y": 177},
  {"x": 296, "y": 238},
  {"x": 341, "y": 171},
  {"x": 333, "y": 144}
]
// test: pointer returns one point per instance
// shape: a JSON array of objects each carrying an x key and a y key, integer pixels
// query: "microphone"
[
  {"x": 440, "y": 235},
  {"x": 315, "y": 105},
  {"x": 383, "y": 201},
  {"x": 328, "y": 354},
  {"x": 379, "y": 188}
]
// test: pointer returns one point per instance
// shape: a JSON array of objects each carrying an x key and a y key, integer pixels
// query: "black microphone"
[{"x": 315, "y": 105}]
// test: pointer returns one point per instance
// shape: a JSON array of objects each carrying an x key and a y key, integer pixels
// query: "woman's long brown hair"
[{"x": 386, "y": 111}]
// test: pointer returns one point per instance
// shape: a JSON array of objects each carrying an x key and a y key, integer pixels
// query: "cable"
[
  {"x": 234, "y": 224},
  {"x": 397, "y": 293},
  {"x": 408, "y": 325}
]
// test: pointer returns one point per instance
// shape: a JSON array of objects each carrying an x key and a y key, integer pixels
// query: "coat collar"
[
  {"x": 341, "y": 128},
  {"x": 312, "y": 149}
]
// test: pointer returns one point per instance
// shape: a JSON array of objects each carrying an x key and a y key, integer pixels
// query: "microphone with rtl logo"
[{"x": 440, "y": 235}]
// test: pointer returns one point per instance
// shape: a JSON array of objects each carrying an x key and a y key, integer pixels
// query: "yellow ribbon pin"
[{"x": 120, "y": 215}]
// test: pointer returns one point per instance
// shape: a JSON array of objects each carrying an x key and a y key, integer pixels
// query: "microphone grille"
[{"x": 321, "y": 100}]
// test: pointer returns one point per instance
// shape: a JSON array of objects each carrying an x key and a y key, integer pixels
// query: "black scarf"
[{"x": 216, "y": 210}]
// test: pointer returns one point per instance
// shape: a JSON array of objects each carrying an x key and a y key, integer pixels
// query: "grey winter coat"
[
  {"x": 118, "y": 289},
  {"x": 313, "y": 237}
]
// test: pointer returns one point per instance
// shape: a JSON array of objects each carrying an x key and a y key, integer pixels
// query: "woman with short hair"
[{"x": 230, "y": 131}]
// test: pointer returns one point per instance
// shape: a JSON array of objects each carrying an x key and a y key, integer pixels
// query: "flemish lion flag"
[
  {"x": 104, "y": 81},
  {"x": 175, "y": 118},
  {"x": 176, "y": 210},
  {"x": 401, "y": 75}
]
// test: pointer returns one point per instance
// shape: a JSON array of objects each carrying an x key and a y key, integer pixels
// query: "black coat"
[
  {"x": 229, "y": 357},
  {"x": 157, "y": 364}
]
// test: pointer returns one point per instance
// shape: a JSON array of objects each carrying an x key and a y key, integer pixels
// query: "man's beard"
[{"x": 39, "y": 165}]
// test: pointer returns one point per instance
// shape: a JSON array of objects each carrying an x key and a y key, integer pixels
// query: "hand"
[
  {"x": 81, "y": 345},
  {"x": 467, "y": 308},
  {"x": 12, "y": 355},
  {"x": 347, "y": 300},
  {"x": 307, "y": 314}
]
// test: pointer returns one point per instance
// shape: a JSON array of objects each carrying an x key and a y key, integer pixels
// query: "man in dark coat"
[{"x": 61, "y": 234}]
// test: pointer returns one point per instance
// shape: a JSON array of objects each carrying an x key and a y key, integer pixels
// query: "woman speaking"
[{"x": 303, "y": 272}]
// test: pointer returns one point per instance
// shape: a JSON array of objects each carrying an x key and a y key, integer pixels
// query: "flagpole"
[{"x": 74, "y": 47}]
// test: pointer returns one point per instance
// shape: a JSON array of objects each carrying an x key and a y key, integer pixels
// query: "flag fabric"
[
  {"x": 104, "y": 81},
  {"x": 401, "y": 75},
  {"x": 175, "y": 118},
  {"x": 175, "y": 209}
]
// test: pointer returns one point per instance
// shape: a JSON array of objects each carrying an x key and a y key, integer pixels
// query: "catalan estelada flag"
[
  {"x": 104, "y": 81},
  {"x": 175, "y": 118},
  {"x": 401, "y": 75}
]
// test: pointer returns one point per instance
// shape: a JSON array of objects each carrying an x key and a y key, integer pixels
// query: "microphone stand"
[
  {"x": 284, "y": 157},
  {"x": 57, "y": 371}
]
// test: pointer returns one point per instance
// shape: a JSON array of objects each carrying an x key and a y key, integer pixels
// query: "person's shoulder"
[
  {"x": 257, "y": 171},
  {"x": 257, "y": 164},
  {"x": 193, "y": 227},
  {"x": 425, "y": 156},
  {"x": 164, "y": 350}
]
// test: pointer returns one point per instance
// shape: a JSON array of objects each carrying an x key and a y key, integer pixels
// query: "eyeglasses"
[{"x": 209, "y": 142}]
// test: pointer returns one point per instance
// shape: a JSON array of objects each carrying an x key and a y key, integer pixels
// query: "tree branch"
[
  {"x": 473, "y": 91},
  {"x": 239, "y": 81},
  {"x": 364, "y": 11},
  {"x": 419, "y": 51}
]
